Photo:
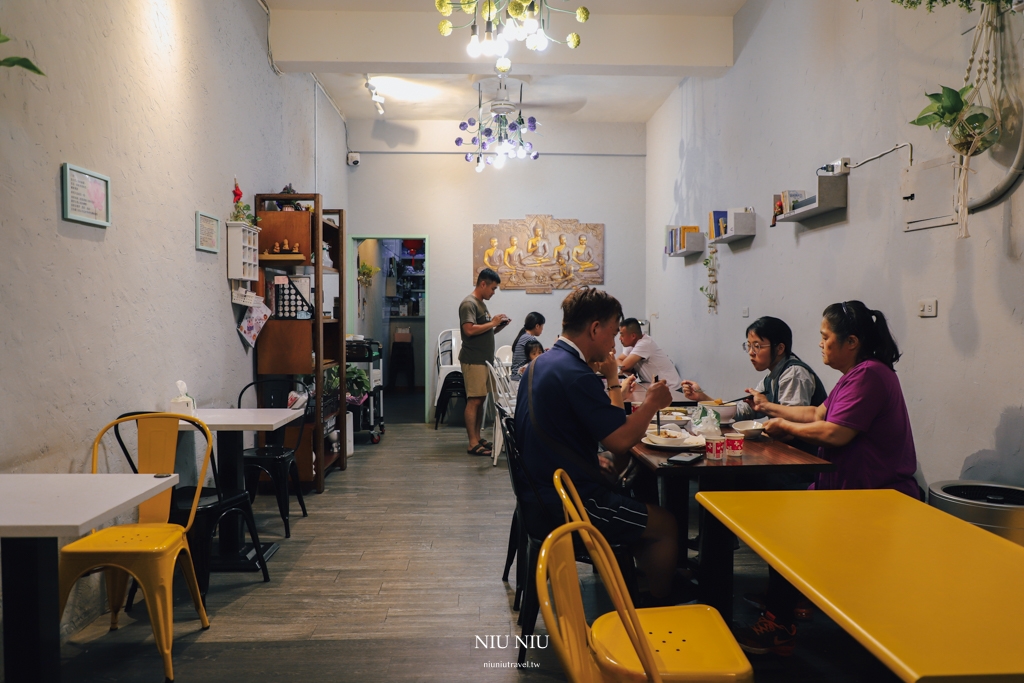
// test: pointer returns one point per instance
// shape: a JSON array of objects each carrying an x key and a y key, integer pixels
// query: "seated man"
[
  {"x": 571, "y": 412},
  {"x": 641, "y": 355}
]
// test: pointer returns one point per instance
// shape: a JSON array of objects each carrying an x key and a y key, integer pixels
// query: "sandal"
[
  {"x": 479, "y": 449},
  {"x": 486, "y": 444}
]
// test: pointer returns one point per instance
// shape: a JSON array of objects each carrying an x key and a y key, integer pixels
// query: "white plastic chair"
[{"x": 504, "y": 354}]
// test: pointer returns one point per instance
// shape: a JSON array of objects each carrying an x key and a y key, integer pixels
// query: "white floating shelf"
[
  {"x": 832, "y": 195},
  {"x": 694, "y": 243},
  {"x": 741, "y": 225}
]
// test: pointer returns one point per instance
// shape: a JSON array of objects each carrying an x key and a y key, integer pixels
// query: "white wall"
[
  {"x": 172, "y": 100},
  {"x": 814, "y": 81},
  {"x": 410, "y": 183}
]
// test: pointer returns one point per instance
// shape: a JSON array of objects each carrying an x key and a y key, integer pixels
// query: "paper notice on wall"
[{"x": 255, "y": 317}]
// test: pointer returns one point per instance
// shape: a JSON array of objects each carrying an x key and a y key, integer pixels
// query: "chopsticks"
[{"x": 658, "y": 413}]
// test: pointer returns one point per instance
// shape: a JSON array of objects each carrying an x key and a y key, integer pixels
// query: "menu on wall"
[{"x": 86, "y": 196}]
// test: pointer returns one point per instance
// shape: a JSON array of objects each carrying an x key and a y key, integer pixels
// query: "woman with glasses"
[
  {"x": 789, "y": 382},
  {"x": 863, "y": 428}
]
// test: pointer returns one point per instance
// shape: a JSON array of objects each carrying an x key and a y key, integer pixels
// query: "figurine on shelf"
[
  {"x": 267, "y": 251},
  {"x": 779, "y": 210},
  {"x": 277, "y": 247},
  {"x": 295, "y": 248},
  {"x": 285, "y": 247}
]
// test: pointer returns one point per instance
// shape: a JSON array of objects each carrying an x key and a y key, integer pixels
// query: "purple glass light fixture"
[{"x": 498, "y": 134}]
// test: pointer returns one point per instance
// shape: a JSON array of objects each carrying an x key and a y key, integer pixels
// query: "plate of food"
[{"x": 670, "y": 439}]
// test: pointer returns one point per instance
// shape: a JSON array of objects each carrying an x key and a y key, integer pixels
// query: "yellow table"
[{"x": 930, "y": 595}]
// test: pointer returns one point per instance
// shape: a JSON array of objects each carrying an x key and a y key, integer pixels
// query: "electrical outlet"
[
  {"x": 746, "y": 312},
  {"x": 840, "y": 166},
  {"x": 927, "y": 308}
]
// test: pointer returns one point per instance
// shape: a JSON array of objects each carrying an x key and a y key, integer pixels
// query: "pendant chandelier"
[
  {"x": 498, "y": 134},
  {"x": 525, "y": 21}
]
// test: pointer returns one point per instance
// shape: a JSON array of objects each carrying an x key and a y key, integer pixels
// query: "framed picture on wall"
[
  {"x": 85, "y": 196},
  {"x": 207, "y": 232}
]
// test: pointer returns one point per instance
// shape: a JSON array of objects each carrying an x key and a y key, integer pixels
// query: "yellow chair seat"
[
  {"x": 689, "y": 643},
  {"x": 131, "y": 538}
]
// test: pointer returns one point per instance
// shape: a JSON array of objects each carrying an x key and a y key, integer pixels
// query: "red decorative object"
[{"x": 237, "y": 192}]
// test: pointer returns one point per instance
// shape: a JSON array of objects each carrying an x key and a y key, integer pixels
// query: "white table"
[
  {"x": 230, "y": 423},
  {"x": 35, "y": 511}
]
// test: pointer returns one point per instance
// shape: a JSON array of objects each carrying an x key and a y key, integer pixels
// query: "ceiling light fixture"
[
  {"x": 498, "y": 134},
  {"x": 525, "y": 21},
  {"x": 378, "y": 100}
]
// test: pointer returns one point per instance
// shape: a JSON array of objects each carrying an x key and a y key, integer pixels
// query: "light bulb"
[
  {"x": 487, "y": 46},
  {"x": 473, "y": 49},
  {"x": 499, "y": 161},
  {"x": 510, "y": 30},
  {"x": 521, "y": 153},
  {"x": 542, "y": 40},
  {"x": 522, "y": 33},
  {"x": 503, "y": 65},
  {"x": 512, "y": 153},
  {"x": 530, "y": 23},
  {"x": 480, "y": 166},
  {"x": 501, "y": 46},
  {"x": 531, "y": 41}
]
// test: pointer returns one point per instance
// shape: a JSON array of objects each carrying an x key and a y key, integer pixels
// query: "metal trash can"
[{"x": 995, "y": 507}]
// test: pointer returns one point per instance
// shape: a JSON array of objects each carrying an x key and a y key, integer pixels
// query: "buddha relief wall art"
[{"x": 540, "y": 253}]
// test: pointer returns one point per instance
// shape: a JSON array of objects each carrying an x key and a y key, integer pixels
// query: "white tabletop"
[
  {"x": 244, "y": 419},
  {"x": 63, "y": 505}
]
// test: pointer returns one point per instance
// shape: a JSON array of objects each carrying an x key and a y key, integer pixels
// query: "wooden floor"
[{"x": 392, "y": 576}]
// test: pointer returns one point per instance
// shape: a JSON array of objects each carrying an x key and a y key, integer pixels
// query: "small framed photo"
[
  {"x": 85, "y": 196},
  {"x": 207, "y": 232}
]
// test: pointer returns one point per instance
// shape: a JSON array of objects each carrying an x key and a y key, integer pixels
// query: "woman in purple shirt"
[{"x": 862, "y": 427}]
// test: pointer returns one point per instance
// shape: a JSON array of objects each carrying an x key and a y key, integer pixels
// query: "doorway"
[{"x": 386, "y": 295}]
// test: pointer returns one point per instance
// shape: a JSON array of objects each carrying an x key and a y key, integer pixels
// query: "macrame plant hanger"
[{"x": 967, "y": 136}]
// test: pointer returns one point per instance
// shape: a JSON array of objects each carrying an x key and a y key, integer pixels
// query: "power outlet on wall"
[
  {"x": 745, "y": 312},
  {"x": 927, "y": 308}
]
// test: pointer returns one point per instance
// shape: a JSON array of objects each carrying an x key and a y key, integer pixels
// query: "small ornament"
[
  {"x": 295, "y": 249},
  {"x": 285, "y": 246},
  {"x": 277, "y": 247}
]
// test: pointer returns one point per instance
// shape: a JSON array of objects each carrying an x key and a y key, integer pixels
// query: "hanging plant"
[
  {"x": 972, "y": 128},
  {"x": 710, "y": 290},
  {"x": 366, "y": 273},
  {"x": 966, "y": 4}
]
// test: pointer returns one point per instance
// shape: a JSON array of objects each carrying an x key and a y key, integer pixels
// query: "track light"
[{"x": 378, "y": 100}]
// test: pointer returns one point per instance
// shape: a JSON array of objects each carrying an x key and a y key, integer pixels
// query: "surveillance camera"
[{"x": 353, "y": 159}]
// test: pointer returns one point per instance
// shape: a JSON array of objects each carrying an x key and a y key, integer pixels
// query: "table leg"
[
  {"x": 674, "y": 496},
  {"x": 232, "y": 554},
  {"x": 715, "y": 571},
  {"x": 31, "y": 598}
]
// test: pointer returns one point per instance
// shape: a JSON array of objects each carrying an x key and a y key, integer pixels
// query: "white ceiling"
[{"x": 582, "y": 98}]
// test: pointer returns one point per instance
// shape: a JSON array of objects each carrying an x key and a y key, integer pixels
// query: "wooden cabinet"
[{"x": 305, "y": 347}]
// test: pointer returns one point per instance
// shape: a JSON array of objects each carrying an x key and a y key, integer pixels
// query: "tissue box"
[{"x": 183, "y": 405}]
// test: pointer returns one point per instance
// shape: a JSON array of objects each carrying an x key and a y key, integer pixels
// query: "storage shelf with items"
[
  {"x": 243, "y": 251},
  {"x": 731, "y": 225},
  {"x": 684, "y": 240},
  {"x": 292, "y": 343},
  {"x": 405, "y": 295},
  {"x": 832, "y": 195}
]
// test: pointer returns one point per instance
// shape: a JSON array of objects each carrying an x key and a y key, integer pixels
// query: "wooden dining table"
[{"x": 752, "y": 470}]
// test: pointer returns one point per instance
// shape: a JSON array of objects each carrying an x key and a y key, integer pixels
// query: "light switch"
[
  {"x": 927, "y": 308},
  {"x": 746, "y": 312}
]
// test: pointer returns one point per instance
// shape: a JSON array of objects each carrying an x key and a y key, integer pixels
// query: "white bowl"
[
  {"x": 751, "y": 429},
  {"x": 726, "y": 411},
  {"x": 652, "y": 434}
]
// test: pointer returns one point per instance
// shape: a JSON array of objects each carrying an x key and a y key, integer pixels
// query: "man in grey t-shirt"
[{"x": 478, "y": 328}]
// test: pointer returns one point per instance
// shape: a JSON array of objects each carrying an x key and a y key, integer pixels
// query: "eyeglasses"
[{"x": 756, "y": 346}]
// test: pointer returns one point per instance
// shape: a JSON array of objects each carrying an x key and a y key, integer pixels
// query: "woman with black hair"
[
  {"x": 533, "y": 327},
  {"x": 863, "y": 428},
  {"x": 789, "y": 382}
]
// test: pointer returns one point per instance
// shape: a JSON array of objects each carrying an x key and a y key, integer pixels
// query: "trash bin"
[{"x": 995, "y": 507}]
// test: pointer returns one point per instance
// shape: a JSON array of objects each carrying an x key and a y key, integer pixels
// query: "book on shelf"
[
  {"x": 675, "y": 239},
  {"x": 790, "y": 198},
  {"x": 718, "y": 224}
]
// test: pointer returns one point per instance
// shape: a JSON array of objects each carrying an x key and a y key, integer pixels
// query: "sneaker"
[
  {"x": 804, "y": 610},
  {"x": 767, "y": 635}
]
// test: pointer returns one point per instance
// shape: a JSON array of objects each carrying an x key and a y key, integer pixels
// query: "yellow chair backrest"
[
  {"x": 607, "y": 566},
  {"x": 157, "y": 446},
  {"x": 572, "y": 506},
  {"x": 568, "y": 630}
]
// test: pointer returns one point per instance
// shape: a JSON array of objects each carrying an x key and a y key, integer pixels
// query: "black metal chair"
[
  {"x": 274, "y": 457},
  {"x": 454, "y": 386},
  {"x": 215, "y": 503}
]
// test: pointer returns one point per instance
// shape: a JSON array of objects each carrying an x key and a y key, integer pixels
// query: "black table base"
[
  {"x": 31, "y": 596},
  {"x": 243, "y": 560}
]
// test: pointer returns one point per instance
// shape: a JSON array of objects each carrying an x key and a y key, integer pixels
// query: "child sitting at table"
[{"x": 533, "y": 348}]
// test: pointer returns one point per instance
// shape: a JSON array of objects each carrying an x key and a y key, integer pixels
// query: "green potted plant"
[
  {"x": 356, "y": 381},
  {"x": 971, "y": 129},
  {"x": 366, "y": 273}
]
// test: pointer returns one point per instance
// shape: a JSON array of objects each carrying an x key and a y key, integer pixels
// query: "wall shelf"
[
  {"x": 694, "y": 243},
  {"x": 832, "y": 195},
  {"x": 742, "y": 225},
  {"x": 282, "y": 258}
]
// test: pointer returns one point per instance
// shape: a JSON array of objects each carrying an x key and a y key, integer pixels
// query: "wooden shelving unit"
[{"x": 306, "y": 347}]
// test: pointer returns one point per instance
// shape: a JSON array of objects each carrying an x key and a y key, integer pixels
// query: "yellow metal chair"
[
  {"x": 148, "y": 550},
  {"x": 684, "y": 643}
]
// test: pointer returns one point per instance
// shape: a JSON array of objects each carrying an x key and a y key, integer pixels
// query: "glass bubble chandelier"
[
  {"x": 497, "y": 135},
  {"x": 524, "y": 21}
]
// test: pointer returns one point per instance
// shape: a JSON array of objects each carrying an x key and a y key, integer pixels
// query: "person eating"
[
  {"x": 863, "y": 428},
  {"x": 533, "y": 327},
  {"x": 789, "y": 382},
  {"x": 641, "y": 355}
]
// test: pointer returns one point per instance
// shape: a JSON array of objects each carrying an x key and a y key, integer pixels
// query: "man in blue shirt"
[{"x": 573, "y": 412}]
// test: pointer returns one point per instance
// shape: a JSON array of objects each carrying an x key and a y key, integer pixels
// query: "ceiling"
[{"x": 613, "y": 94}]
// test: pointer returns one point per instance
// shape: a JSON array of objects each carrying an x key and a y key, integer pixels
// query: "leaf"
[
  {"x": 23, "y": 62},
  {"x": 933, "y": 108},
  {"x": 964, "y": 91},
  {"x": 934, "y": 97},
  {"x": 927, "y": 120},
  {"x": 951, "y": 101},
  {"x": 977, "y": 120},
  {"x": 3, "y": 38}
]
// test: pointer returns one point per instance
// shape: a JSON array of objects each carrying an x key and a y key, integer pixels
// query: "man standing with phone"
[{"x": 478, "y": 328}]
